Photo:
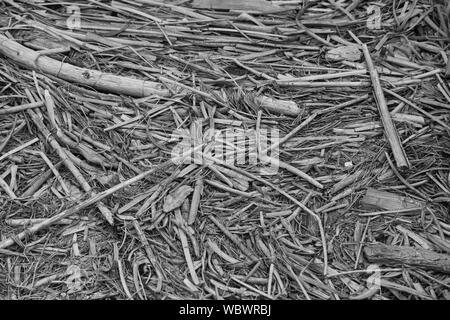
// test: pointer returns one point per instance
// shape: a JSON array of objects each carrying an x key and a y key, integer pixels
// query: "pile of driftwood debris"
[{"x": 223, "y": 149}]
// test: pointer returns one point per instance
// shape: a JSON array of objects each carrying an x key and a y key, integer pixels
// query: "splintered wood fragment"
[
  {"x": 223, "y": 187},
  {"x": 185, "y": 246},
  {"x": 221, "y": 176},
  {"x": 417, "y": 238},
  {"x": 348, "y": 180},
  {"x": 248, "y": 5},
  {"x": 150, "y": 200},
  {"x": 388, "y": 124},
  {"x": 429, "y": 115},
  {"x": 50, "y": 104},
  {"x": 409, "y": 256},
  {"x": 198, "y": 190},
  {"x": 106, "y": 213},
  {"x": 175, "y": 199},
  {"x": 7, "y": 189},
  {"x": 279, "y": 106},
  {"x": 237, "y": 180},
  {"x": 30, "y": 221},
  {"x": 389, "y": 201},
  {"x": 349, "y": 53},
  {"x": 96, "y": 79}
]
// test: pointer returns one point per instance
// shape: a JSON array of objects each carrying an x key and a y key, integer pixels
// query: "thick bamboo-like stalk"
[
  {"x": 396, "y": 255},
  {"x": 96, "y": 79},
  {"x": 112, "y": 83},
  {"x": 388, "y": 124}
]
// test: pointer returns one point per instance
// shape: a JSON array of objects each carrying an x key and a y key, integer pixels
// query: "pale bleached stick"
[
  {"x": 112, "y": 83},
  {"x": 26, "y": 222},
  {"x": 388, "y": 124},
  {"x": 279, "y": 106},
  {"x": 9, "y": 110},
  {"x": 96, "y": 79},
  {"x": 326, "y": 76},
  {"x": 21, "y": 147},
  {"x": 295, "y": 171},
  {"x": 325, "y": 84}
]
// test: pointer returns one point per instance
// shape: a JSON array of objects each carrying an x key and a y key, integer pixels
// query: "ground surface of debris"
[{"x": 212, "y": 149}]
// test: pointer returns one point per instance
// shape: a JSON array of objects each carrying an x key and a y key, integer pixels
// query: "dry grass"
[{"x": 132, "y": 224}]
